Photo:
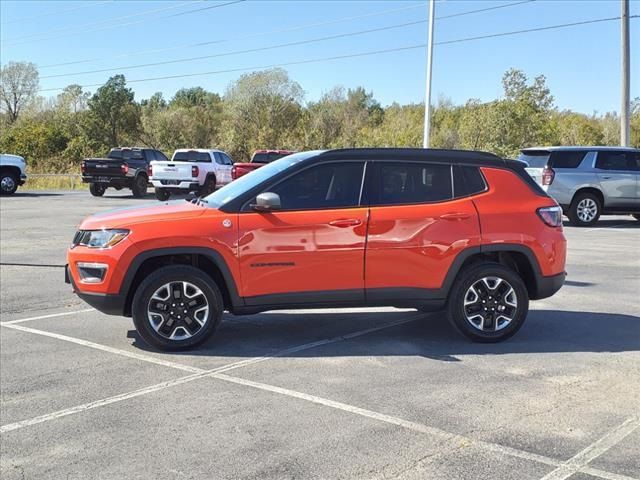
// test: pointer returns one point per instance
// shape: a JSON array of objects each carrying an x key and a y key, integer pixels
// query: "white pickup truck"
[
  {"x": 190, "y": 170},
  {"x": 12, "y": 173}
]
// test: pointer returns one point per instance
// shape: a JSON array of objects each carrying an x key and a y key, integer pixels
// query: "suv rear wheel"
[
  {"x": 96, "y": 189},
  {"x": 585, "y": 209},
  {"x": 488, "y": 302},
  {"x": 177, "y": 307}
]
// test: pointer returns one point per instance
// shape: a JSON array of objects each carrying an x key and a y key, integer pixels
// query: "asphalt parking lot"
[{"x": 359, "y": 393}]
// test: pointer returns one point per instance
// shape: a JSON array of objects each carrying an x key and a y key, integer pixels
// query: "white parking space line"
[
  {"x": 603, "y": 474},
  {"x": 198, "y": 372},
  {"x": 582, "y": 458},
  {"x": 104, "y": 348},
  {"x": 42, "y": 317}
]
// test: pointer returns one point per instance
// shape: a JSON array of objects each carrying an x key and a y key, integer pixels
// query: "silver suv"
[{"x": 588, "y": 181}]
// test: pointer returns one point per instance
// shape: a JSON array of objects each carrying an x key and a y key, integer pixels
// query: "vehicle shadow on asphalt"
[
  {"x": 612, "y": 223},
  {"x": 430, "y": 335},
  {"x": 33, "y": 194}
]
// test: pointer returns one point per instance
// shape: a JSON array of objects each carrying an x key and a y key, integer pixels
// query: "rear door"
[
  {"x": 416, "y": 230},
  {"x": 617, "y": 175}
]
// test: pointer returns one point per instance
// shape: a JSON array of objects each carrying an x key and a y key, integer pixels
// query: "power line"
[
  {"x": 484, "y": 9},
  {"x": 204, "y": 8},
  {"x": 362, "y": 54},
  {"x": 245, "y": 37},
  {"x": 237, "y": 52},
  {"x": 272, "y": 32},
  {"x": 98, "y": 26},
  {"x": 529, "y": 30},
  {"x": 51, "y": 14}
]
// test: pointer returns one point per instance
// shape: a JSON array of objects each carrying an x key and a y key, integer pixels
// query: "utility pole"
[
  {"x": 625, "y": 131},
  {"x": 427, "y": 99}
]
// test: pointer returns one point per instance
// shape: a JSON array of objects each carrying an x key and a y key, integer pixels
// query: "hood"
[{"x": 124, "y": 217}]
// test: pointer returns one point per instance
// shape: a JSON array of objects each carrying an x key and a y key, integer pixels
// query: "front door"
[
  {"x": 312, "y": 249},
  {"x": 617, "y": 178}
]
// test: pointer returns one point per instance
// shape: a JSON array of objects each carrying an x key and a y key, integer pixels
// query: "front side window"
[
  {"x": 613, "y": 161},
  {"x": 327, "y": 186},
  {"x": 406, "y": 183}
]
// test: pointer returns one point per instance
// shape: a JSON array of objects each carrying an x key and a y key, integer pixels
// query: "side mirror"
[{"x": 267, "y": 202}]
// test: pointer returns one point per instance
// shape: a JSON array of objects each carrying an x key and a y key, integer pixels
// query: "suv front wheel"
[
  {"x": 488, "y": 302},
  {"x": 177, "y": 307},
  {"x": 585, "y": 210}
]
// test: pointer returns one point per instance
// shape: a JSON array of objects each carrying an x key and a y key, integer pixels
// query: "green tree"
[{"x": 113, "y": 114}]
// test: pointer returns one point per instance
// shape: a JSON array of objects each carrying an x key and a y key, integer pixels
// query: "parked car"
[
  {"x": 124, "y": 167},
  {"x": 12, "y": 173},
  {"x": 430, "y": 229},
  {"x": 588, "y": 181},
  {"x": 259, "y": 159},
  {"x": 191, "y": 170}
]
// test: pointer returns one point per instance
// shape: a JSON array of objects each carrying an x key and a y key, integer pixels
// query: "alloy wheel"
[
  {"x": 178, "y": 310},
  {"x": 490, "y": 304},
  {"x": 587, "y": 210},
  {"x": 7, "y": 184}
]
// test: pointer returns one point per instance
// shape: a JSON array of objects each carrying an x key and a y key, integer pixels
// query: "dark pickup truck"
[{"x": 123, "y": 168}]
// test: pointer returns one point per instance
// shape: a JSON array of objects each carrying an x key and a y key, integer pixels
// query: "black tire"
[
  {"x": 491, "y": 326},
  {"x": 139, "y": 187},
  {"x": 96, "y": 189},
  {"x": 165, "y": 276},
  {"x": 585, "y": 209},
  {"x": 208, "y": 187},
  {"x": 162, "y": 194},
  {"x": 8, "y": 183}
]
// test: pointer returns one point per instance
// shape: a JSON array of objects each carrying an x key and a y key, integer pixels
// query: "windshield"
[
  {"x": 535, "y": 158},
  {"x": 252, "y": 179}
]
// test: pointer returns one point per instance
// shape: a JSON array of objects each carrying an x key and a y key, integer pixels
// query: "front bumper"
[
  {"x": 111, "y": 304},
  {"x": 23, "y": 179}
]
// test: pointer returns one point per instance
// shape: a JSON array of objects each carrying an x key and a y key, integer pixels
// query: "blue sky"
[{"x": 582, "y": 63}]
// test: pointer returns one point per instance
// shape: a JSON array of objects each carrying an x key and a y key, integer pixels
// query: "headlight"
[{"x": 99, "y": 238}]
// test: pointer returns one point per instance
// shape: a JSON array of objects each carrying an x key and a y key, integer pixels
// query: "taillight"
[
  {"x": 547, "y": 176},
  {"x": 83, "y": 167},
  {"x": 149, "y": 171},
  {"x": 552, "y": 216},
  {"x": 233, "y": 173},
  {"x": 195, "y": 171},
  {"x": 125, "y": 168}
]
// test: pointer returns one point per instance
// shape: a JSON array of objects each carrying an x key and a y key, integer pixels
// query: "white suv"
[
  {"x": 190, "y": 170},
  {"x": 12, "y": 173}
]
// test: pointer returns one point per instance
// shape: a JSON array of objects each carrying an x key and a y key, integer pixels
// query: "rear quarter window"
[
  {"x": 566, "y": 159},
  {"x": 467, "y": 181}
]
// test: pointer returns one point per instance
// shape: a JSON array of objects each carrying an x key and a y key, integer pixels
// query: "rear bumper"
[
  {"x": 547, "y": 286},
  {"x": 103, "y": 302},
  {"x": 181, "y": 185},
  {"x": 109, "y": 181}
]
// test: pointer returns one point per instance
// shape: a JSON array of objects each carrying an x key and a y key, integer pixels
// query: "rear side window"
[
  {"x": 535, "y": 158},
  {"x": 566, "y": 159},
  {"x": 616, "y": 161},
  {"x": 326, "y": 186},
  {"x": 191, "y": 156},
  {"x": 406, "y": 183},
  {"x": 467, "y": 181}
]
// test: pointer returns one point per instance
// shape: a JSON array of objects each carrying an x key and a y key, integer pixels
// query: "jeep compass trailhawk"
[{"x": 426, "y": 229}]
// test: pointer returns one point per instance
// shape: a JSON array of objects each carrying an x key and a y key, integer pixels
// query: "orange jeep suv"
[{"x": 464, "y": 231}]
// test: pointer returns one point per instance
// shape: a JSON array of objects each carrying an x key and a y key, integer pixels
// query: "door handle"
[
  {"x": 346, "y": 222},
  {"x": 455, "y": 216}
]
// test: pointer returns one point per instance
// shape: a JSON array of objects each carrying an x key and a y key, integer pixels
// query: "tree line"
[{"x": 267, "y": 109}]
